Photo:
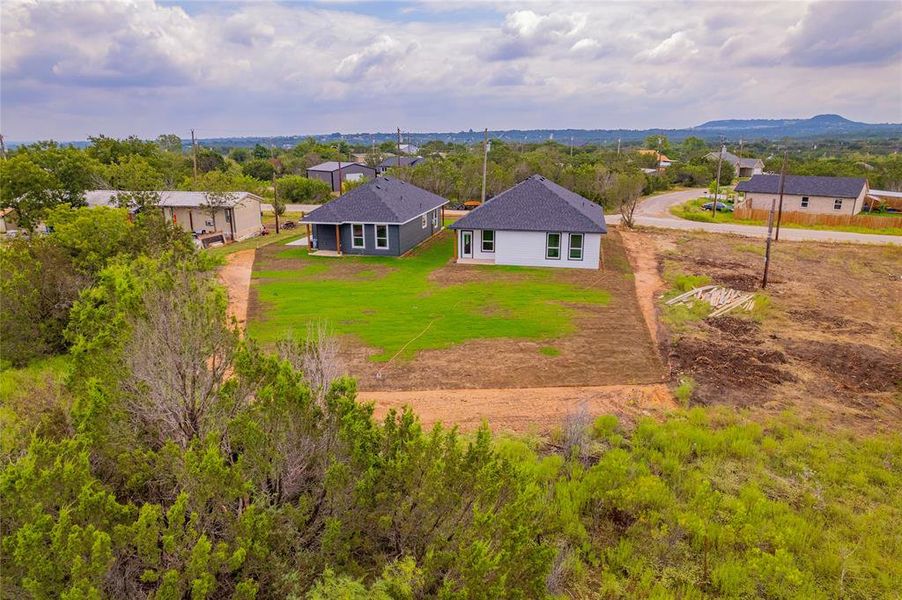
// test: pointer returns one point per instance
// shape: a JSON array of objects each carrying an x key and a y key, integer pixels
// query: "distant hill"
[{"x": 817, "y": 127}]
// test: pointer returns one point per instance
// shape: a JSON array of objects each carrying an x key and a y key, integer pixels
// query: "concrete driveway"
[{"x": 654, "y": 211}]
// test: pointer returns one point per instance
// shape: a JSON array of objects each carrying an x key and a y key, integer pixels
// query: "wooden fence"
[{"x": 860, "y": 220}]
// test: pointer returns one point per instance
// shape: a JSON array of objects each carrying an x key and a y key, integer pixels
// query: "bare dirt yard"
[
  {"x": 825, "y": 340},
  {"x": 235, "y": 275}
]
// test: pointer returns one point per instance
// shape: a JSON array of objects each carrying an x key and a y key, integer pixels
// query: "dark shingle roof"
[
  {"x": 805, "y": 185},
  {"x": 536, "y": 204},
  {"x": 406, "y": 161},
  {"x": 748, "y": 163},
  {"x": 382, "y": 200}
]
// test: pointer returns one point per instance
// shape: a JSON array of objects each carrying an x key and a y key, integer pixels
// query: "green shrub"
[{"x": 683, "y": 391}]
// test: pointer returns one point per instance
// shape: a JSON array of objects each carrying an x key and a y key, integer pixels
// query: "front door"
[{"x": 466, "y": 244}]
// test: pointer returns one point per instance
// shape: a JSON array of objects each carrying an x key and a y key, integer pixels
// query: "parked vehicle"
[{"x": 721, "y": 206}]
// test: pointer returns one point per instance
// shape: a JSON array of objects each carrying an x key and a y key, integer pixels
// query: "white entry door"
[{"x": 466, "y": 244}]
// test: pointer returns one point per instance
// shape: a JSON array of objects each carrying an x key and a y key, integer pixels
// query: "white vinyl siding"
[{"x": 527, "y": 248}]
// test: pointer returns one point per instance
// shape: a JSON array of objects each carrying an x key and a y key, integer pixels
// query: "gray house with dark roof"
[
  {"x": 806, "y": 193},
  {"x": 536, "y": 223},
  {"x": 384, "y": 217},
  {"x": 333, "y": 171}
]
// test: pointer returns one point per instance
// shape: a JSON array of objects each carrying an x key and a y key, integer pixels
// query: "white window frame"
[
  {"x": 570, "y": 247},
  {"x": 805, "y": 201},
  {"x": 385, "y": 247},
  {"x": 354, "y": 243},
  {"x": 424, "y": 221},
  {"x": 548, "y": 245},
  {"x": 435, "y": 217},
  {"x": 482, "y": 241},
  {"x": 837, "y": 204}
]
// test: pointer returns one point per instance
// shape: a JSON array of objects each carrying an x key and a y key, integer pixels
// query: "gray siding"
[
  {"x": 332, "y": 177},
  {"x": 401, "y": 238}
]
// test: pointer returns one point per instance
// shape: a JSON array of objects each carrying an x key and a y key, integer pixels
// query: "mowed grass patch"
[{"x": 392, "y": 304}]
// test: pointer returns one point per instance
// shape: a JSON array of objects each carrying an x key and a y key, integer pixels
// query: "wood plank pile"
[{"x": 722, "y": 299}]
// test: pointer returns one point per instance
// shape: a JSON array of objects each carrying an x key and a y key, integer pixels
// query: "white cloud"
[{"x": 74, "y": 68}]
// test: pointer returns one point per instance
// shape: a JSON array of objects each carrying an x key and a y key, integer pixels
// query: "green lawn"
[
  {"x": 692, "y": 211},
  {"x": 395, "y": 307}
]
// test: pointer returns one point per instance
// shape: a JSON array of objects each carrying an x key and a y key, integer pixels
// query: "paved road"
[{"x": 655, "y": 212}]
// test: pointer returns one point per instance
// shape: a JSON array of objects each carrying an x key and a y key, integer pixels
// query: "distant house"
[
  {"x": 236, "y": 215},
  {"x": 393, "y": 161},
  {"x": 383, "y": 217},
  {"x": 332, "y": 171},
  {"x": 409, "y": 148},
  {"x": 8, "y": 223},
  {"x": 536, "y": 223},
  {"x": 804, "y": 193},
  {"x": 744, "y": 167},
  {"x": 662, "y": 160}
]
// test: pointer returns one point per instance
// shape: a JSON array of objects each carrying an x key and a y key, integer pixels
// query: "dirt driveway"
[
  {"x": 235, "y": 275},
  {"x": 538, "y": 410}
]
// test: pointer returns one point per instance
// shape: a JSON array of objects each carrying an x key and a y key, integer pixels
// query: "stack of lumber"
[{"x": 722, "y": 299}]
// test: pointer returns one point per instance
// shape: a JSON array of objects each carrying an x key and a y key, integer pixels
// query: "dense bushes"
[
  {"x": 295, "y": 189},
  {"x": 239, "y": 480}
]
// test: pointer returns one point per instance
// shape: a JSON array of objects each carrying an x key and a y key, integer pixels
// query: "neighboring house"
[
  {"x": 383, "y": 217},
  {"x": 393, "y": 161},
  {"x": 409, "y": 148},
  {"x": 662, "y": 159},
  {"x": 536, "y": 223},
  {"x": 236, "y": 216},
  {"x": 8, "y": 222},
  {"x": 886, "y": 198},
  {"x": 805, "y": 193},
  {"x": 744, "y": 167},
  {"x": 332, "y": 171}
]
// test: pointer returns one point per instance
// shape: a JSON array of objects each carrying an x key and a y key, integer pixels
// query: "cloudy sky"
[{"x": 71, "y": 69}]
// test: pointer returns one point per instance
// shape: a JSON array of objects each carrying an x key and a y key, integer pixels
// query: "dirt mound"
[
  {"x": 746, "y": 282},
  {"x": 727, "y": 371},
  {"x": 735, "y": 327},
  {"x": 829, "y": 322},
  {"x": 857, "y": 367}
]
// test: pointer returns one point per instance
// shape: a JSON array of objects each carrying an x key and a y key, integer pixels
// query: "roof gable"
[
  {"x": 332, "y": 165},
  {"x": 382, "y": 200},
  {"x": 536, "y": 204},
  {"x": 805, "y": 185}
]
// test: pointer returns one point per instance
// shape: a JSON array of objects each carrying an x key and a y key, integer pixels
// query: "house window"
[
  {"x": 424, "y": 221},
  {"x": 228, "y": 216},
  {"x": 553, "y": 246},
  {"x": 488, "y": 240},
  {"x": 357, "y": 236},
  {"x": 576, "y": 247},
  {"x": 435, "y": 218},
  {"x": 804, "y": 201},
  {"x": 837, "y": 204},
  {"x": 382, "y": 236}
]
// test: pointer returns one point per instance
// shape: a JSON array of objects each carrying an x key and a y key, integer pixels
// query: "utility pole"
[
  {"x": 782, "y": 183},
  {"x": 339, "y": 170},
  {"x": 399, "y": 147},
  {"x": 770, "y": 227},
  {"x": 571, "y": 146},
  {"x": 485, "y": 160},
  {"x": 723, "y": 147},
  {"x": 739, "y": 168},
  {"x": 2, "y": 146},
  {"x": 194, "y": 154},
  {"x": 618, "y": 146}
]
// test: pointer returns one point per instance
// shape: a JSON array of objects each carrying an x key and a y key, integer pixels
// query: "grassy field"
[
  {"x": 692, "y": 211},
  {"x": 396, "y": 306}
]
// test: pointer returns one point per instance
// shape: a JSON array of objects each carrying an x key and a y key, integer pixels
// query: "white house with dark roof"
[
  {"x": 536, "y": 223},
  {"x": 383, "y": 217},
  {"x": 806, "y": 193}
]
